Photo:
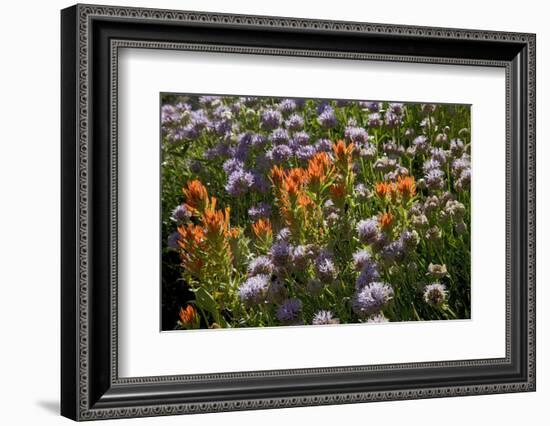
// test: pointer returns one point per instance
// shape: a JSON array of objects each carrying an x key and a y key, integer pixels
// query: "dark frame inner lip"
[{"x": 107, "y": 390}]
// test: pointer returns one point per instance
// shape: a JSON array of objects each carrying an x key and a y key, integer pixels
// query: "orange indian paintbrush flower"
[
  {"x": 385, "y": 220},
  {"x": 342, "y": 153},
  {"x": 262, "y": 229},
  {"x": 216, "y": 222},
  {"x": 187, "y": 315},
  {"x": 338, "y": 191},
  {"x": 191, "y": 244},
  {"x": 277, "y": 176},
  {"x": 406, "y": 186},
  {"x": 196, "y": 196},
  {"x": 297, "y": 175},
  {"x": 305, "y": 201},
  {"x": 319, "y": 167}
]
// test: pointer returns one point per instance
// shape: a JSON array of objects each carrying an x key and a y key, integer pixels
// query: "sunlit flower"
[
  {"x": 406, "y": 186},
  {"x": 326, "y": 118},
  {"x": 325, "y": 268},
  {"x": 271, "y": 119},
  {"x": 295, "y": 122},
  {"x": 435, "y": 294},
  {"x": 371, "y": 298},
  {"x": 385, "y": 220},
  {"x": 261, "y": 265},
  {"x": 437, "y": 271},
  {"x": 342, "y": 153},
  {"x": 324, "y": 318},
  {"x": 279, "y": 136},
  {"x": 188, "y": 315},
  {"x": 196, "y": 196},
  {"x": 181, "y": 214},
  {"x": 377, "y": 319},
  {"x": 369, "y": 273},
  {"x": 281, "y": 253},
  {"x": 253, "y": 291},
  {"x": 286, "y": 106},
  {"x": 367, "y": 230},
  {"x": 262, "y": 230},
  {"x": 239, "y": 182}
]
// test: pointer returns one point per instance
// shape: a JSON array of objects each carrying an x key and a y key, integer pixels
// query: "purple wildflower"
[
  {"x": 430, "y": 165},
  {"x": 283, "y": 234},
  {"x": 385, "y": 164},
  {"x": 301, "y": 138},
  {"x": 464, "y": 180},
  {"x": 367, "y": 230},
  {"x": 173, "y": 239},
  {"x": 434, "y": 179},
  {"x": 279, "y": 136},
  {"x": 391, "y": 120},
  {"x": 271, "y": 119},
  {"x": 361, "y": 191},
  {"x": 169, "y": 115},
  {"x": 254, "y": 289},
  {"x": 371, "y": 298},
  {"x": 261, "y": 210},
  {"x": 325, "y": 268},
  {"x": 361, "y": 258},
  {"x": 301, "y": 256},
  {"x": 261, "y": 265},
  {"x": 281, "y": 253},
  {"x": 396, "y": 108},
  {"x": 232, "y": 165},
  {"x": 295, "y": 122},
  {"x": 371, "y": 106},
  {"x": 441, "y": 138},
  {"x": 460, "y": 164},
  {"x": 258, "y": 141},
  {"x": 377, "y": 318},
  {"x": 324, "y": 318},
  {"x": 286, "y": 106},
  {"x": 439, "y": 155},
  {"x": 280, "y": 154},
  {"x": 289, "y": 310},
  {"x": 374, "y": 120},
  {"x": 323, "y": 145},
  {"x": 409, "y": 240},
  {"x": 209, "y": 101},
  {"x": 239, "y": 182},
  {"x": 457, "y": 147},
  {"x": 180, "y": 214},
  {"x": 435, "y": 294},
  {"x": 326, "y": 118},
  {"x": 421, "y": 144},
  {"x": 369, "y": 273},
  {"x": 356, "y": 134},
  {"x": 304, "y": 153},
  {"x": 393, "y": 251}
]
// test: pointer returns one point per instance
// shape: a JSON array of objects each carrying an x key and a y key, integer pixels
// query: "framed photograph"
[{"x": 263, "y": 212}]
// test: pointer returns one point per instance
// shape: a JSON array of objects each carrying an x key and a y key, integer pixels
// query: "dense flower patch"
[{"x": 293, "y": 211}]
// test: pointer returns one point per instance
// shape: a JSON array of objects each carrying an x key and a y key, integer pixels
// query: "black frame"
[{"x": 91, "y": 37}]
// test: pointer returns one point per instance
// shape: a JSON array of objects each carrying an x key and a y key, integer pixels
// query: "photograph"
[
  {"x": 269, "y": 208},
  {"x": 286, "y": 211}
]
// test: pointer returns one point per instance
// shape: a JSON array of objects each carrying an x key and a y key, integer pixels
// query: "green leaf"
[{"x": 206, "y": 302}]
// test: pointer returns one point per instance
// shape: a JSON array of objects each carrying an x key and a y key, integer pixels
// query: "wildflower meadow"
[{"x": 279, "y": 212}]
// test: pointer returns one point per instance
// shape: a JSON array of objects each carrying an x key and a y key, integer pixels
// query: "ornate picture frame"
[{"x": 91, "y": 37}]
